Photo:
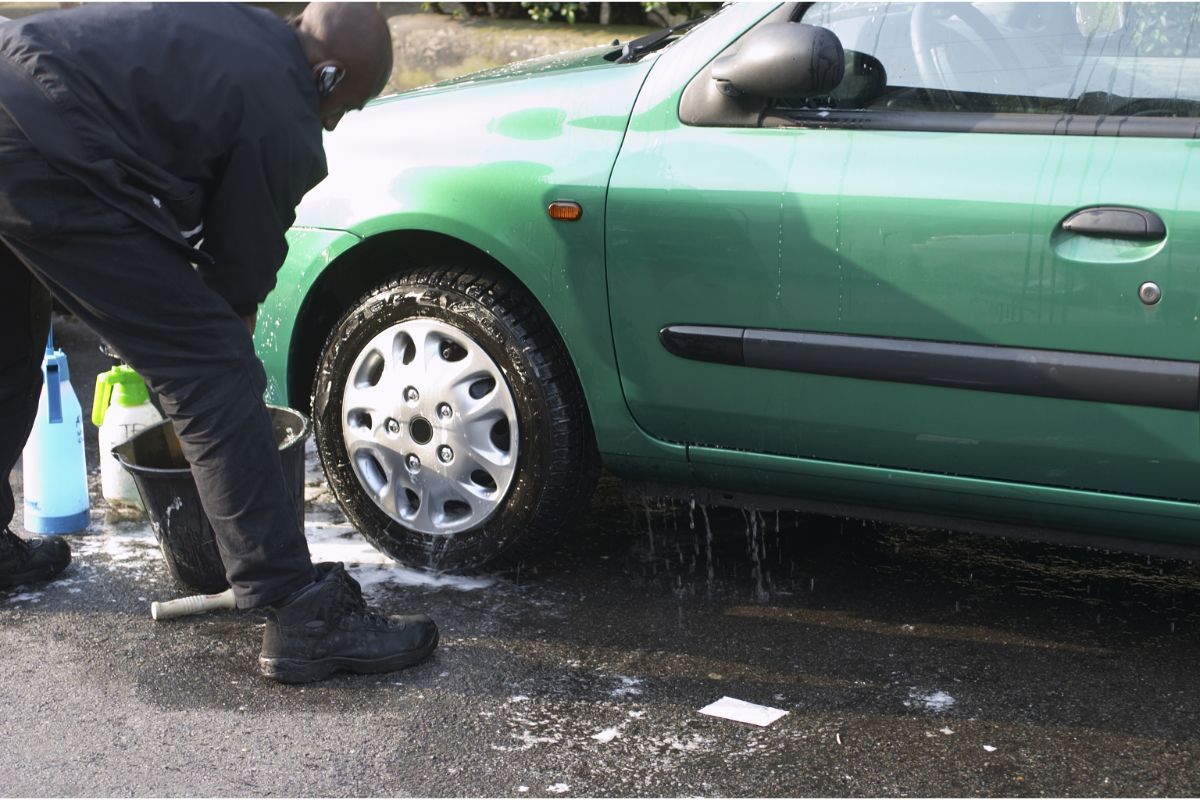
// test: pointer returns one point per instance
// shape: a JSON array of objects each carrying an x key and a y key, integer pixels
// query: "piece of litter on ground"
[
  {"x": 741, "y": 711},
  {"x": 557, "y": 788},
  {"x": 989, "y": 748},
  {"x": 522, "y": 788},
  {"x": 947, "y": 731}
]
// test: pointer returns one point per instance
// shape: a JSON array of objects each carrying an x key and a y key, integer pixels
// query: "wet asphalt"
[{"x": 910, "y": 662}]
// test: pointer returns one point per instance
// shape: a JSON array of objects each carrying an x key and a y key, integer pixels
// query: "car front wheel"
[{"x": 449, "y": 420}]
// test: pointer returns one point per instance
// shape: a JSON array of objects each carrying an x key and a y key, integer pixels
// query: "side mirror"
[{"x": 782, "y": 59}]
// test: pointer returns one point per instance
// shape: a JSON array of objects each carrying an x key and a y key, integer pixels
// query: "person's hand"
[{"x": 251, "y": 320}]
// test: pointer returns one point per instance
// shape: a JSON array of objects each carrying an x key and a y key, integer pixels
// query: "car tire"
[{"x": 450, "y": 422}]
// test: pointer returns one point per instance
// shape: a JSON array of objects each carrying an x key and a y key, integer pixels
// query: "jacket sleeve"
[{"x": 250, "y": 210}]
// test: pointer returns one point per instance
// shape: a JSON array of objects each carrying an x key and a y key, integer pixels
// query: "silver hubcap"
[{"x": 430, "y": 427}]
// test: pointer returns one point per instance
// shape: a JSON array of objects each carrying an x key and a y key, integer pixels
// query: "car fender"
[{"x": 481, "y": 174}]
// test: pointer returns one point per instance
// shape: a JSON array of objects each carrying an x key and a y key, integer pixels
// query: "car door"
[{"x": 977, "y": 256}]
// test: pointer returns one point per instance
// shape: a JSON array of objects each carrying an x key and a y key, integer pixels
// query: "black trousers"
[{"x": 142, "y": 296}]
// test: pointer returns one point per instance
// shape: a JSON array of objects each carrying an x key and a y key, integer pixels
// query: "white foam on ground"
[
  {"x": 528, "y": 741},
  {"x": 607, "y": 735},
  {"x": 372, "y": 569},
  {"x": 936, "y": 702},
  {"x": 124, "y": 545},
  {"x": 341, "y": 542},
  {"x": 131, "y": 547},
  {"x": 692, "y": 744}
]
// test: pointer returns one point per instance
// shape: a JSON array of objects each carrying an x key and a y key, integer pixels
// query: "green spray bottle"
[{"x": 121, "y": 409}]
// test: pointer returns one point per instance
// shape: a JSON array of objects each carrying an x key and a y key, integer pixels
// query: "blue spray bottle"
[{"x": 54, "y": 465}]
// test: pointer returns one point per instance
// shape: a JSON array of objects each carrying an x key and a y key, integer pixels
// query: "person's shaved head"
[{"x": 353, "y": 39}]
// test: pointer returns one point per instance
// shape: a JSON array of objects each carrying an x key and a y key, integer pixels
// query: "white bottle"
[
  {"x": 122, "y": 410},
  {"x": 53, "y": 463}
]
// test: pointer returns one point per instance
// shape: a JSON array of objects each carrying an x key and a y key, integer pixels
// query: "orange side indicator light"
[{"x": 565, "y": 210}]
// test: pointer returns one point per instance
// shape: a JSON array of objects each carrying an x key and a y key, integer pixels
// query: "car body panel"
[
  {"x": 519, "y": 70},
  {"x": 837, "y": 250},
  {"x": 848, "y": 232},
  {"x": 1050, "y": 513},
  {"x": 833, "y": 232},
  {"x": 483, "y": 173},
  {"x": 310, "y": 252}
]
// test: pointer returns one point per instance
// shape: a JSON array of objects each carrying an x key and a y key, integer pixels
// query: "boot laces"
[{"x": 350, "y": 603}]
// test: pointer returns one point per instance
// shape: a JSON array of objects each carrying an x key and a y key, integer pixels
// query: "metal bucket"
[{"x": 164, "y": 480}]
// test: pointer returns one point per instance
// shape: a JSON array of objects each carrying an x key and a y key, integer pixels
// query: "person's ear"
[{"x": 328, "y": 75}]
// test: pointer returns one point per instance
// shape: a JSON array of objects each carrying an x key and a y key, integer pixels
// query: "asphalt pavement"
[{"x": 909, "y": 662}]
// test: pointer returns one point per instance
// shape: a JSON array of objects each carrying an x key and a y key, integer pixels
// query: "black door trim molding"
[
  {"x": 1068, "y": 375},
  {"x": 968, "y": 122}
]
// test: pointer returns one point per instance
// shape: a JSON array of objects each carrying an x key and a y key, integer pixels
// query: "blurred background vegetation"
[
  {"x": 628, "y": 13},
  {"x": 439, "y": 41}
]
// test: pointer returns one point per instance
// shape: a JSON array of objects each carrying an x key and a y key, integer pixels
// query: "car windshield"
[{"x": 1137, "y": 59}]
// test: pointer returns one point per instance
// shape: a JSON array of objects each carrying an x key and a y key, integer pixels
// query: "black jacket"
[{"x": 195, "y": 119}]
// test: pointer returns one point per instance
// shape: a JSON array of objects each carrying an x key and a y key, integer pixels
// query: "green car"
[{"x": 936, "y": 263}]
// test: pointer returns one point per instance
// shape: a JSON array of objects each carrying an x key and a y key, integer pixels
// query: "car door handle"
[{"x": 1113, "y": 222}]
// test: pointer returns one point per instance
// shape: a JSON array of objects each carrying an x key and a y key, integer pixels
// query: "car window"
[{"x": 1095, "y": 59}]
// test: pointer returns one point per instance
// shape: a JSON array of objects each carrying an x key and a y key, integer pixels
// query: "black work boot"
[
  {"x": 327, "y": 627},
  {"x": 30, "y": 560}
]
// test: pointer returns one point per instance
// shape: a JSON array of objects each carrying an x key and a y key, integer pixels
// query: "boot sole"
[
  {"x": 296, "y": 670},
  {"x": 40, "y": 575}
]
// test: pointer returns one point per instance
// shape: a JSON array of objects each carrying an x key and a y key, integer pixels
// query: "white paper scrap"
[{"x": 741, "y": 711}]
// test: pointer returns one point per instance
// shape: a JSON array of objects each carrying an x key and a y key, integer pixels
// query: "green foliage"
[
  {"x": 1164, "y": 29},
  {"x": 644, "y": 13},
  {"x": 671, "y": 13},
  {"x": 546, "y": 12},
  {"x": 1153, "y": 29}
]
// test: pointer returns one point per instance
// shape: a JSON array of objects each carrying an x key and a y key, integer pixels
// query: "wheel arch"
[{"x": 376, "y": 259}]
